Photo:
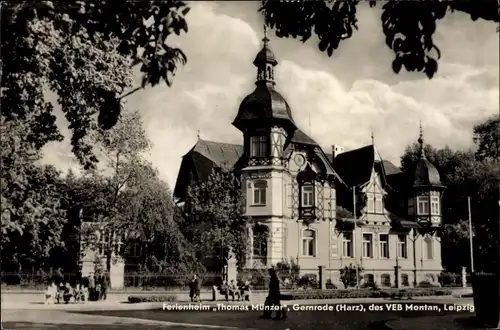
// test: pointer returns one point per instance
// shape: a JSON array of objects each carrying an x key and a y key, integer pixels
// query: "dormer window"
[
  {"x": 307, "y": 195},
  {"x": 259, "y": 146},
  {"x": 422, "y": 205}
]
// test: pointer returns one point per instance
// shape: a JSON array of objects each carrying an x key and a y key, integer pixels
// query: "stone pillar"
[
  {"x": 464, "y": 277},
  {"x": 322, "y": 277},
  {"x": 117, "y": 273},
  {"x": 231, "y": 270},
  {"x": 397, "y": 278}
]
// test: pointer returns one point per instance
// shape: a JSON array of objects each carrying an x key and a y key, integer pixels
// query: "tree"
[
  {"x": 84, "y": 52},
  {"x": 408, "y": 25},
  {"x": 487, "y": 139},
  {"x": 121, "y": 148},
  {"x": 31, "y": 202},
  {"x": 217, "y": 217},
  {"x": 148, "y": 214}
]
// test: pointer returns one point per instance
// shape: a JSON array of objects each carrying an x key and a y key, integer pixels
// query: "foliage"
[
  {"x": 84, "y": 52},
  {"x": 408, "y": 26},
  {"x": 215, "y": 220},
  {"x": 449, "y": 279},
  {"x": 308, "y": 281},
  {"x": 32, "y": 201},
  {"x": 151, "y": 298},
  {"x": 348, "y": 275},
  {"x": 363, "y": 293},
  {"x": 487, "y": 138}
]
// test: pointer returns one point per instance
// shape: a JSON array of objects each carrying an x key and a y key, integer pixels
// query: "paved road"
[{"x": 197, "y": 320}]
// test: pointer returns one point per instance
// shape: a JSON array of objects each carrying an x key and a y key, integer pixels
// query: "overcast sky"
[{"x": 347, "y": 96}]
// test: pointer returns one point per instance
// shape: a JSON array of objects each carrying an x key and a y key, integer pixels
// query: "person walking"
[
  {"x": 273, "y": 299},
  {"x": 104, "y": 286},
  {"x": 92, "y": 287}
]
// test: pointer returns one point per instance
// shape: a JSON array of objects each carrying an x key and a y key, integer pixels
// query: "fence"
[{"x": 258, "y": 278}]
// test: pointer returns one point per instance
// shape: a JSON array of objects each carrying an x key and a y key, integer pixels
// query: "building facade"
[{"x": 329, "y": 209}]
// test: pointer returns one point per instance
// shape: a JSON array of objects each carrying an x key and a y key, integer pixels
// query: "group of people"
[
  {"x": 233, "y": 291},
  {"x": 65, "y": 293},
  {"x": 92, "y": 288}
]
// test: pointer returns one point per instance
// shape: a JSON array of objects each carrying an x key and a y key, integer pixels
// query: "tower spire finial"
[
  {"x": 198, "y": 134},
  {"x": 265, "y": 39},
  {"x": 421, "y": 141},
  {"x": 373, "y": 139}
]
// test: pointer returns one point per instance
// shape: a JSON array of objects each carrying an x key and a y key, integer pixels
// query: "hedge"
[
  {"x": 364, "y": 293},
  {"x": 324, "y": 294},
  {"x": 151, "y": 298}
]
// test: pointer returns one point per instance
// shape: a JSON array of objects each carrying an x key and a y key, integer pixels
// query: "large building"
[{"x": 329, "y": 209}]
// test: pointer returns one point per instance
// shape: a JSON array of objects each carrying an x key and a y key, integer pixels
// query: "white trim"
[
  {"x": 263, "y": 199},
  {"x": 352, "y": 233},
  {"x": 363, "y": 245},
  {"x": 314, "y": 239},
  {"x": 406, "y": 247},
  {"x": 387, "y": 244}
]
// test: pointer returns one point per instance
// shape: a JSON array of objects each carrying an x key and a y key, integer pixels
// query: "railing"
[{"x": 258, "y": 278}]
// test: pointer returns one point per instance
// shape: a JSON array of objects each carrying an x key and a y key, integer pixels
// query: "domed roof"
[
  {"x": 265, "y": 56},
  {"x": 426, "y": 174},
  {"x": 263, "y": 103}
]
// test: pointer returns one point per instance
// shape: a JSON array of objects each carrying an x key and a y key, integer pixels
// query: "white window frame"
[
  {"x": 367, "y": 246},
  {"x": 402, "y": 253},
  {"x": 259, "y": 193},
  {"x": 423, "y": 205},
  {"x": 429, "y": 247},
  {"x": 309, "y": 253},
  {"x": 381, "y": 245},
  {"x": 435, "y": 203},
  {"x": 370, "y": 203},
  {"x": 307, "y": 194},
  {"x": 349, "y": 243},
  {"x": 379, "y": 201}
]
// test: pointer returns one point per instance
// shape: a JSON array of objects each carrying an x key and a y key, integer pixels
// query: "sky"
[{"x": 338, "y": 100}]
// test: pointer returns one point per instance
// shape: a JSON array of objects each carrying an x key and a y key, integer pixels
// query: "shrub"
[
  {"x": 348, "y": 275},
  {"x": 363, "y": 293},
  {"x": 151, "y": 298},
  {"x": 329, "y": 285},
  {"x": 308, "y": 281},
  {"x": 370, "y": 285},
  {"x": 426, "y": 284},
  {"x": 449, "y": 279}
]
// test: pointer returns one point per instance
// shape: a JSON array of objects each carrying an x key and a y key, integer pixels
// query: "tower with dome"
[{"x": 324, "y": 209}]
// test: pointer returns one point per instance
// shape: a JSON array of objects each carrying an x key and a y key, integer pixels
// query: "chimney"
[{"x": 336, "y": 150}]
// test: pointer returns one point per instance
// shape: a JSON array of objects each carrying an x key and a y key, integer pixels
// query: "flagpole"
[
  {"x": 354, "y": 235},
  {"x": 470, "y": 237}
]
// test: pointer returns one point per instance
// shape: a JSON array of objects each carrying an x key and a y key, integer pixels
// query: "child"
[{"x": 50, "y": 293}]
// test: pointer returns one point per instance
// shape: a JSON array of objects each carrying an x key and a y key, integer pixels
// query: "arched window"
[
  {"x": 404, "y": 280},
  {"x": 260, "y": 235},
  {"x": 429, "y": 247},
  {"x": 309, "y": 243},
  {"x": 386, "y": 279},
  {"x": 368, "y": 279}
]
